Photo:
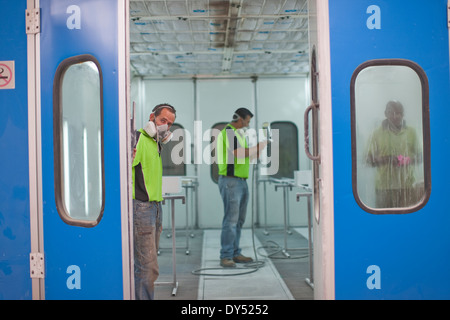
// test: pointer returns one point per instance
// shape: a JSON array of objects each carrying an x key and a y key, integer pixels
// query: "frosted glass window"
[
  {"x": 78, "y": 138},
  {"x": 288, "y": 148},
  {"x": 390, "y": 136},
  {"x": 174, "y": 153}
]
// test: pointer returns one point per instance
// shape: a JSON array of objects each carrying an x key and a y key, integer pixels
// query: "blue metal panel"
[
  {"x": 95, "y": 252},
  {"x": 412, "y": 250},
  {"x": 15, "y": 282}
]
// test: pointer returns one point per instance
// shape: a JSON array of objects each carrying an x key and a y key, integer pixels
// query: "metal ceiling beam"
[
  {"x": 233, "y": 13},
  {"x": 215, "y": 53},
  {"x": 241, "y": 30},
  {"x": 223, "y": 17},
  {"x": 225, "y": 76}
]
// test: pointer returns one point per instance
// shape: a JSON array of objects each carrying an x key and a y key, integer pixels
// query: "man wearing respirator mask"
[
  {"x": 147, "y": 197},
  {"x": 233, "y": 159}
]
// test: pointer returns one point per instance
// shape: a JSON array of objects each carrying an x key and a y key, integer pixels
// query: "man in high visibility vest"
[
  {"x": 233, "y": 157},
  {"x": 147, "y": 197}
]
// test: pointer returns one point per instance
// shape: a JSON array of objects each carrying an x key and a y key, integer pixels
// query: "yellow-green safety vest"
[{"x": 228, "y": 140}]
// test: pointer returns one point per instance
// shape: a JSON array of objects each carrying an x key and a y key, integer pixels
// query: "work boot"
[
  {"x": 227, "y": 263},
  {"x": 242, "y": 259}
]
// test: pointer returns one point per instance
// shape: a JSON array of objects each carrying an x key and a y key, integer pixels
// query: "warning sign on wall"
[{"x": 7, "y": 78}]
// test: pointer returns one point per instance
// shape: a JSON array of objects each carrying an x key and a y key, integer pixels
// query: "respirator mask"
[
  {"x": 161, "y": 133},
  {"x": 242, "y": 131}
]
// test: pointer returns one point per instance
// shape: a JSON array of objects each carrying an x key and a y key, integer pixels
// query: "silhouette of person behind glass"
[{"x": 393, "y": 150}]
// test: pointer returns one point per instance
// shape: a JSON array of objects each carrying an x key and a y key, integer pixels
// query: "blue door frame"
[{"x": 15, "y": 248}]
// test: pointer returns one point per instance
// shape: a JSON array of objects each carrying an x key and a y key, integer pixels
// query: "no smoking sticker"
[{"x": 7, "y": 80}]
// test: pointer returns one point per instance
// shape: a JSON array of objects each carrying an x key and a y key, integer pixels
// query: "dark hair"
[
  {"x": 394, "y": 105},
  {"x": 243, "y": 113},
  {"x": 157, "y": 110}
]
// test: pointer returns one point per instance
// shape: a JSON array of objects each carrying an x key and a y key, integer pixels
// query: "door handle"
[{"x": 306, "y": 127}]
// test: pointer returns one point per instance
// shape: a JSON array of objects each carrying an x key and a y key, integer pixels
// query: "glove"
[{"x": 403, "y": 161}]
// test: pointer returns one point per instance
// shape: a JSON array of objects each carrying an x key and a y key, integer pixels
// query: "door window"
[
  {"x": 390, "y": 136},
  {"x": 215, "y": 130},
  {"x": 78, "y": 141},
  {"x": 174, "y": 153},
  {"x": 287, "y": 148}
]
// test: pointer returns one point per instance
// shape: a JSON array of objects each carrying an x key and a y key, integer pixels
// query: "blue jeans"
[
  {"x": 147, "y": 230},
  {"x": 234, "y": 192}
]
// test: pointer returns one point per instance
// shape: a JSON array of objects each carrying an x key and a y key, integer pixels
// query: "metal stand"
[
  {"x": 264, "y": 181},
  {"x": 192, "y": 186},
  {"x": 187, "y": 184},
  {"x": 279, "y": 183},
  {"x": 174, "y": 283},
  {"x": 310, "y": 280},
  {"x": 285, "y": 184}
]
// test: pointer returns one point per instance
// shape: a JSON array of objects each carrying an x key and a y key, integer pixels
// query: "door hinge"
[
  {"x": 33, "y": 21},
  {"x": 37, "y": 266}
]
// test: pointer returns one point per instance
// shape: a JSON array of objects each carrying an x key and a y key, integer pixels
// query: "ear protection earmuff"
[
  {"x": 236, "y": 117},
  {"x": 162, "y": 106}
]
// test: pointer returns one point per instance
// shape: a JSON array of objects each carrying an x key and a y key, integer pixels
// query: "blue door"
[
  {"x": 390, "y": 98},
  {"x": 15, "y": 281},
  {"x": 80, "y": 149}
]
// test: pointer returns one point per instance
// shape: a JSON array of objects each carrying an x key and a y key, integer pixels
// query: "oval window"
[
  {"x": 390, "y": 136},
  {"x": 78, "y": 139}
]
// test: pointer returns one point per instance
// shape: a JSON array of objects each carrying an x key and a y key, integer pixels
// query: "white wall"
[
  {"x": 284, "y": 100},
  {"x": 215, "y": 100}
]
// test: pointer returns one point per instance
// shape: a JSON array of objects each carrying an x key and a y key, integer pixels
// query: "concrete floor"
[{"x": 277, "y": 278}]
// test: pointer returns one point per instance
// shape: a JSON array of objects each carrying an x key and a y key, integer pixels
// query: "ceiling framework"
[{"x": 173, "y": 38}]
